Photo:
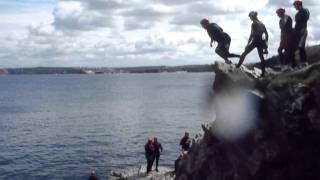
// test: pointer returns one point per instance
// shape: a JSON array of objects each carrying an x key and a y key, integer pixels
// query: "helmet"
[
  {"x": 253, "y": 14},
  {"x": 297, "y": 3},
  {"x": 204, "y": 22},
  {"x": 280, "y": 11}
]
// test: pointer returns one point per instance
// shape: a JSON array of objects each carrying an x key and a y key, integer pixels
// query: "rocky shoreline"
[{"x": 139, "y": 173}]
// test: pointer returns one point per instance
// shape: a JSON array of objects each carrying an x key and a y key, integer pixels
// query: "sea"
[{"x": 65, "y": 126}]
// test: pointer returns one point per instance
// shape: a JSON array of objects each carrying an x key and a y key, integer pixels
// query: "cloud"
[
  {"x": 176, "y": 2},
  {"x": 73, "y": 16},
  {"x": 132, "y": 32},
  {"x": 282, "y": 3},
  {"x": 142, "y": 18}
]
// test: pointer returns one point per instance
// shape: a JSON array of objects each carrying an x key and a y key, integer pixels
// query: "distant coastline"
[{"x": 106, "y": 70}]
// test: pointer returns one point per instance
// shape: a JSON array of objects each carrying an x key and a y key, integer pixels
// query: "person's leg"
[
  {"x": 303, "y": 54},
  {"x": 149, "y": 165},
  {"x": 281, "y": 56},
  {"x": 291, "y": 47},
  {"x": 234, "y": 55},
  {"x": 290, "y": 56},
  {"x": 248, "y": 49},
  {"x": 221, "y": 51},
  {"x": 302, "y": 44},
  {"x": 157, "y": 161},
  {"x": 152, "y": 161},
  {"x": 263, "y": 65}
]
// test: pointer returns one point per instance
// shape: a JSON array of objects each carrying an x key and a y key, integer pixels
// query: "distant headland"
[{"x": 106, "y": 70}]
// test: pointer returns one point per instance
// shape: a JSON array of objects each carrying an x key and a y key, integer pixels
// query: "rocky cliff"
[{"x": 263, "y": 129}]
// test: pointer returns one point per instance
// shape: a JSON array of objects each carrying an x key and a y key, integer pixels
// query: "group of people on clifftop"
[
  {"x": 153, "y": 149},
  {"x": 292, "y": 38}
]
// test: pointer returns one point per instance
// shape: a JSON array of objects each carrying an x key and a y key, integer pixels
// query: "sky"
[{"x": 126, "y": 33}]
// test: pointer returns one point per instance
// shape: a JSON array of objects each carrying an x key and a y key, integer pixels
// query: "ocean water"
[{"x": 65, "y": 126}]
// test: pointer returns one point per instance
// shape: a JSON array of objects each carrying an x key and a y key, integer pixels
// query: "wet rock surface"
[
  {"x": 139, "y": 173},
  {"x": 283, "y": 143}
]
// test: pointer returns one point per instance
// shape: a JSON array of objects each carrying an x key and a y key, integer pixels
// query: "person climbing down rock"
[
  {"x": 256, "y": 41},
  {"x": 223, "y": 39},
  {"x": 286, "y": 49}
]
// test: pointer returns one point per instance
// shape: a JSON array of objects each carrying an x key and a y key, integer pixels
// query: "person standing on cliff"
[
  {"x": 256, "y": 41},
  {"x": 216, "y": 34},
  {"x": 285, "y": 25},
  {"x": 158, "y": 148},
  {"x": 150, "y": 154},
  {"x": 185, "y": 142},
  {"x": 300, "y": 29}
]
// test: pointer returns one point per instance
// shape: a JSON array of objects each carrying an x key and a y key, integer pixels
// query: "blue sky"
[
  {"x": 16, "y": 5},
  {"x": 131, "y": 32}
]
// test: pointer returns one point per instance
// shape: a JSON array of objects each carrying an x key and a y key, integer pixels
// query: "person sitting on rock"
[
  {"x": 150, "y": 154},
  {"x": 256, "y": 41},
  {"x": 185, "y": 142},
  {"x": 158, "y": 149},
  {"x": 216, "y": 34}
]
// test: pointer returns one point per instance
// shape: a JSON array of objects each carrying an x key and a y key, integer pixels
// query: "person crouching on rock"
[
  {"x": 150, "y": 154},
  {"x": 256, "y": 41},
  {"x": 185, "y": 142},
  {"x": 158, "y": 149},
  {"x": 216, "y": 34}
]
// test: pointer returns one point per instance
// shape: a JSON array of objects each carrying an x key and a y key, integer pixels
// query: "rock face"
[{"x": 283, "y": 141}]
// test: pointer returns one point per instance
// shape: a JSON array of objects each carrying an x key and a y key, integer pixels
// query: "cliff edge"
[{"x": 264, "y": 128}]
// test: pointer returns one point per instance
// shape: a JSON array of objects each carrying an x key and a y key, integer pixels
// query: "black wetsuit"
[
  {"x": 286, "y": 38},
  {"x": 258, "y": 29},
  {"x": 223, "y": 39},
  {"x": 185, "y": 143},
  {"x": 301, "y": 32},
  {"x": 256, "y": 41},
  {"x": 150, "y": 155},
  {"x": 158, "y": 148}
]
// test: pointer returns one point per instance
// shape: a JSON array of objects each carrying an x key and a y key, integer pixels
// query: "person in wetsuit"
[
  {"x": 256, "y": 41},
  {"x": 93, "y": 176},
  {"x": 185, "y": 142},
  {"x": 300, "y": 29},
  {"x": 158, "y": 148},
  {"x": 217, "y": 34},
  {"x": 150, "y": 154},
  {"x": 286, "y": 49}
]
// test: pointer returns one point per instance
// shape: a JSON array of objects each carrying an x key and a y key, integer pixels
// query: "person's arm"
[
  {"x": 288, "y": 24},
  {"x": 251, "y": 34},
  {"x": 250, "y": 39},
  {"x": 266, "y": 33},
  {"x": 180, "y": 142},
  {"x": 211, "y": 42},
  {"x": 160, "y": 146}
]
